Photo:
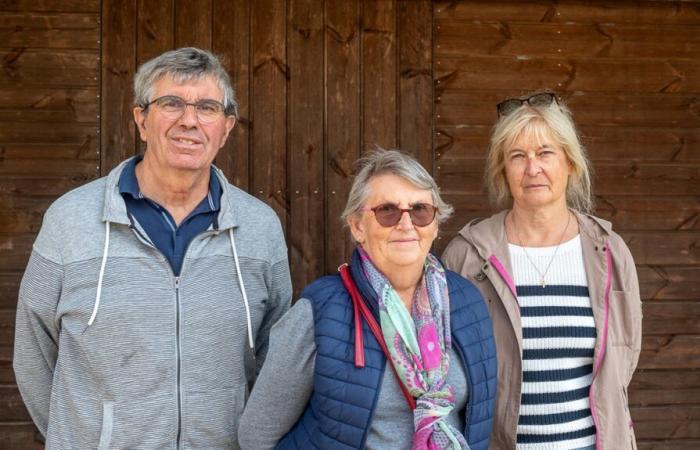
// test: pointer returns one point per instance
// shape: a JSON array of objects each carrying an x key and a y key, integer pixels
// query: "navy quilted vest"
[{"x": 344, "y": 397}]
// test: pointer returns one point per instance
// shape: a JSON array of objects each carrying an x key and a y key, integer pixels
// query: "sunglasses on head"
[
  {"x": 388, "y": 214},
  {"x": 509, "y": 105}
]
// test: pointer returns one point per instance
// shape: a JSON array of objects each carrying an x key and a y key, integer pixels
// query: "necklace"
[{"x": 542, "y": 275}]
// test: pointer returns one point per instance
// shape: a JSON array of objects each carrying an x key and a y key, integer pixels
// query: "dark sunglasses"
[
  {"x": 388, "y": 215},
  {"x": 509, "y": 105}
]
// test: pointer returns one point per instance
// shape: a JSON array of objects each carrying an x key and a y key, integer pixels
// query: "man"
[{"x": 145, "y": 309}]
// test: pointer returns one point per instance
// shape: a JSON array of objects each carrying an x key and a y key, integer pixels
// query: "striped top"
[{"x": 558, "y": 340}]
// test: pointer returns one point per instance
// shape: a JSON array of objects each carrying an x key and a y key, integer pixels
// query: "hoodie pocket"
[
  {"x": 210, "y": 418},
  {"x": 107, "y": 425}
]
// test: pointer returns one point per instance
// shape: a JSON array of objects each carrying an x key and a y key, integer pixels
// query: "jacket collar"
[{"x": 114, "y": 209}]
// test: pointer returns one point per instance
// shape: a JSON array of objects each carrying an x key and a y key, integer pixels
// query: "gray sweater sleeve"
[
  {"x": 36, "y": 336},
  {"x": 284, "y": 385},
  {"x": 279, "y": 301}
]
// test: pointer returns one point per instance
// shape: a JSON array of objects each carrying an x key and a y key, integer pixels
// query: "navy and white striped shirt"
[{"x": 558, "y": 340}]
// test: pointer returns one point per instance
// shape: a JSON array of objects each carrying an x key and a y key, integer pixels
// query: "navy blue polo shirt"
[{"x": 172, "y": 240}]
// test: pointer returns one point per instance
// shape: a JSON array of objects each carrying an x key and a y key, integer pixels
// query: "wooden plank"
[
  {"x": 670, "y": 352},
  {"x": 668, "y": 445},
  {"x": 269, "y": 111},
  {"x": 603, "y": 143},
  {"x": 667, "y": 110},
  {"x": 155, "y": 29},
  {"x": 193, "y": 19},
  {"x": 40, "y": 186},
  {"x": 415, "y": 80},
  {"x": 39, "y": 105},
  {"x": 231, "y": 40},
  {"x": 12, "y": 407},
  {"x": 30, "y": 133},
  {"x": 669, "y": 282},
  {"x": 650, "y": 213},
  {"x": 21, "y": 435},
  {"x": 536, "y": 39},
  {"x": 9, "y": 290},
  {"x": 574, "y": 73},
  {"x": 666, "y": 422},
  {"x": 664, "y": 387},
  {"x": 14, "y": 251},
  {"x": 53, "y": 30},
  {"x": 564, "y": 12},
  {"x": 671, "y": 317},
  {"x": 49, "y": 168},
  {"x": 626, "y": 177},
  {"x": 118, "y": 131},
  {"x": 661, "y": 248},
  {"x": 26, "y": 6},
  {"x": 88, "y": 149},
  {"x": 342, "y": 128},
  {"x": 306, "y": 113},
  {"x": 44, "y": 68},
  {"x": 379, "y": 74},
  {"x": 22, "y": 214}
]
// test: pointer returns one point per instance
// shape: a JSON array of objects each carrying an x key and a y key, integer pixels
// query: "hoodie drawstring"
[
  {"x": 242, "y": 286},
  {"x": 102, "y": 272}
]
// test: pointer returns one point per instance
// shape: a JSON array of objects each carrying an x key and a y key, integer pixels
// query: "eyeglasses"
[
  {"x": 509, "y": 105},
  {"x": 388, "y": 215},
  {"x": 173, "y": 107}
]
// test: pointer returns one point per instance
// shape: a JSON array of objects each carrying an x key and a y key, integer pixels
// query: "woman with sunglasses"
[
  {"x": 561, "y": 287},
  {"x": 395, "y": 352}
]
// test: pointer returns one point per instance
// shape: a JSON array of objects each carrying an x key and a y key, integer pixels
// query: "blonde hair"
[{"x": 554, "y": 120}]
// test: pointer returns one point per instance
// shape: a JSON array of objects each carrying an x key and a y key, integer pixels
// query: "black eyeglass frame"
[
  {"x": 509, "y": 105},
  {"x": 411, "y": 211}
]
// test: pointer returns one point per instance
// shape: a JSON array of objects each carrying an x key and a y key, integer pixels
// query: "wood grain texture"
[
  {"x": 269, "y": 106},
  {"x": 117, "y": 129},
  {"x": 193, "y": 22},
  {"x": 343, "y": 121},
  {"x": 306, "y": 238},
  {"x": 231, "y": 41},
  {"x": 415, "y": 80},
  {"x": 379, "y": 74}
]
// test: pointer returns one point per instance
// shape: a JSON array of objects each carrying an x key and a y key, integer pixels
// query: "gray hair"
[
  {"x": 555, "y": 120},
  {"x": 182, "y": 65},
  {"x": 382, "y": 162}
]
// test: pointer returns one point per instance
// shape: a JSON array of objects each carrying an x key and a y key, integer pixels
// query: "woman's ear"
[{"x": 356, "y": 228}]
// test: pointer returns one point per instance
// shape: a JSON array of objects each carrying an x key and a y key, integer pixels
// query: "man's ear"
[
  {"x": 140, "y": 119},
  {"x": 230, "y": 123}
]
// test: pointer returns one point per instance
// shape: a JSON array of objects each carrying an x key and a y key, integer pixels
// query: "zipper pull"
[{"x": 177, "y": 282}]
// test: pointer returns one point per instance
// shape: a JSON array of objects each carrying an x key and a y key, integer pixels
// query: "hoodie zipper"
[
  {"x": 141, "y": 237},
  {"x": 179, "y": 359}
]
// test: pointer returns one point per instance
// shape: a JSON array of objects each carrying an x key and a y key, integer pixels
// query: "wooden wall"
[
  {"x": 630, "y": 72},
  {"x": 322, "y": 81},
  {"x": 318, "y": 84},
  {"x": 49, "y": 143}
]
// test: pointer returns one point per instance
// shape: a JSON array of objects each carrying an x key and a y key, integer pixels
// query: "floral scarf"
[{"x": 419, "y": 343}]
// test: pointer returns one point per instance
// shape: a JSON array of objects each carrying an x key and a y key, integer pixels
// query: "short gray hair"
[
  {"x": 182, "y": 65},
  {"x": 382, "y": 162},
  {"x": 554, "y": 119}
]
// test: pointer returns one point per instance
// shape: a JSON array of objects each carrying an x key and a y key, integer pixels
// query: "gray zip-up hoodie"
[{"x": 113, "y": 351}]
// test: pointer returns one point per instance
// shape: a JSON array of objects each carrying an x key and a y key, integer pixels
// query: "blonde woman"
[{"x": 560, "y": 284}]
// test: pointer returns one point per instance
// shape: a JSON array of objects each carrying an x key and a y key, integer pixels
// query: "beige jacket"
[{"x": 480, "y": 253}]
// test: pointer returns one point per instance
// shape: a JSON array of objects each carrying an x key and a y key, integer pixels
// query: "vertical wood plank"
[
  {"x": 342, "y": 121},
  {"x": 306, "y": 101},
  {"x": 155, "y": 34},
  {"x": 379, "y": 113},
  {"x": 415, "y": 36},
  {"x": 193, "y": 23},
  {"x": 118, "y": 134},
  {"x": 155, "y": 28},
  {"x": 269, "y": 109},
  {"x": 231, "y": 41}
]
